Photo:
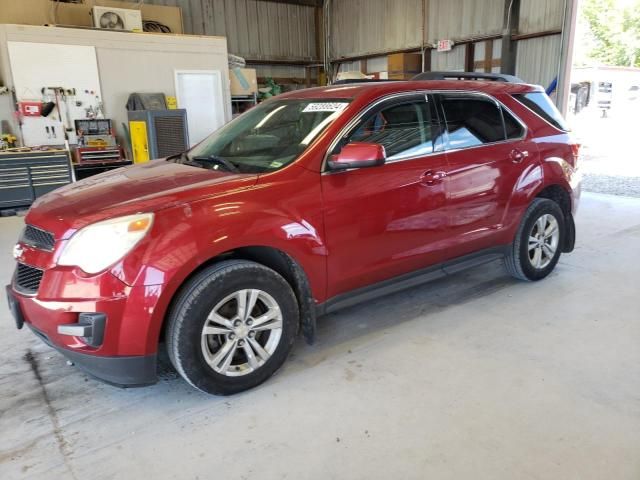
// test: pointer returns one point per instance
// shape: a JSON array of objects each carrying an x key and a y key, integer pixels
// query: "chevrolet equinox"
[{"x": 312, "y": 201}]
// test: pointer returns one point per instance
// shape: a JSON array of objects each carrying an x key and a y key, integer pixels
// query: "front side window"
[
  {"x": 406, "y": 128},
  {"x": 471, "y": 120},
  {"x": 266, "y": 138}
]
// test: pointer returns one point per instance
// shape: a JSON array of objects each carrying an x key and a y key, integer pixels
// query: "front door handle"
[
  {"x": 518, "y": 156},
  {"x": 431, "y": 178}
]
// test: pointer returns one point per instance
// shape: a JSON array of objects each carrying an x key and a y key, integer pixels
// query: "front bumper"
[
  {"x": 124, "y": 353},
  {"x": 132, "y": 371}
]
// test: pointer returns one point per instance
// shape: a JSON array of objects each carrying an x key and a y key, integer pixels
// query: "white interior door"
[{"x": 200, "y": 93}]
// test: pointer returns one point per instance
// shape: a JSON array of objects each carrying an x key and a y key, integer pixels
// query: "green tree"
[{"x": 615, "y": 31}]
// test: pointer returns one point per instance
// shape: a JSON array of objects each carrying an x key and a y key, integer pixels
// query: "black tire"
[
  {"x": 193, "y": 305},
  {"x": 517, "y": 259}
]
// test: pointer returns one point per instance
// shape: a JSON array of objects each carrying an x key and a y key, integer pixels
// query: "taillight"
[{"x": 575, "y": 151}]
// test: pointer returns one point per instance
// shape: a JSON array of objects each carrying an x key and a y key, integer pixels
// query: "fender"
[
  {"x": 547, "y": 172},
  {"x": 195, "y": 233}
]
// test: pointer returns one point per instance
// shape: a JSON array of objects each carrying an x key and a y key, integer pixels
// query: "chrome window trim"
[{"x": 355, "y": 120}]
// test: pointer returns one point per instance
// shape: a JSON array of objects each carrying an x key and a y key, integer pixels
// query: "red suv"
[{"x": 310, "y": 202}]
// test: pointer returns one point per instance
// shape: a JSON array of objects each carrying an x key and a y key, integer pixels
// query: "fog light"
[{"x": 90, "y": 328}]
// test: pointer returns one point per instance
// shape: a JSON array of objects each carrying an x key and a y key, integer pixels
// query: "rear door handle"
[
  {"x": 431, "y": 178},
  {"x": 518, "y": 156}
]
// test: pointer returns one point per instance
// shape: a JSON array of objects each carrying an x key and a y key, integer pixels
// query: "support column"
[
  {"x": 510, "y": 23},
  {"x": 566, "y": 54}
]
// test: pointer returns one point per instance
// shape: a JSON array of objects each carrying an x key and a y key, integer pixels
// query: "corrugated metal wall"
[
  {"x": 265, "y": 30},
  {"x": 366, "y": 26},
  {"x": 452, "y": 61},
  {"x": 538, "y": 60},
  {"x": 463, "y": 19},
  {"x": 254, "y": 29},
  {"x": 375, "y": 64},
  {"x": 362, "y": 27},
  {"x": 540, "y": 15},
  {"x": 279, "y": 71}
]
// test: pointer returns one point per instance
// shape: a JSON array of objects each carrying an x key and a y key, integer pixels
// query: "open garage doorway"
[{"x": 604, "y": 103}]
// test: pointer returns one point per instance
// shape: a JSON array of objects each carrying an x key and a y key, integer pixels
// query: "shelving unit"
[{"x": 242, "y": 103}]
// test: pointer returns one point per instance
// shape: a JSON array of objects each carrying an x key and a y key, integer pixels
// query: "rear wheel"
[
  {"x": 232, "y": 327},
  {"x": 536, "y": 248}
]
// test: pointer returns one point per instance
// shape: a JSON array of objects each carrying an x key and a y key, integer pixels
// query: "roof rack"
[
  {"x": 496, "y": 77},
  {"x": 348, "y": 81}
]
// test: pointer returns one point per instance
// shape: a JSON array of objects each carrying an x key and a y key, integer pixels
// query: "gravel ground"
[
  {"x": 613, "y": 185},
  {"x": 609, "y": 159}
]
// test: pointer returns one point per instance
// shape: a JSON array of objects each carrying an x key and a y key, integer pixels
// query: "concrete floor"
[{"x": 477, "y": 376}]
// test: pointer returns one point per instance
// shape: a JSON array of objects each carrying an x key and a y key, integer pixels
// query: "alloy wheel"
[
  {"x": 544, "y": 238},
  {"x": 242, "y": 332}
]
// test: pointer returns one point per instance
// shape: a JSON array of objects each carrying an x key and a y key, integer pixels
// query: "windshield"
[{"x": 265, "y": 138}]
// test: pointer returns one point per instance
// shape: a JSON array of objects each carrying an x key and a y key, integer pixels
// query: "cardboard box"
[
  {"x": 404, "y": 64},
  {"x": 39, "y": 12},
  {"x": 244, "y": 81}
]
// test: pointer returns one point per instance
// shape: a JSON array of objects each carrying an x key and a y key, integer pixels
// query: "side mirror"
[{"x": 358, "y": 155}]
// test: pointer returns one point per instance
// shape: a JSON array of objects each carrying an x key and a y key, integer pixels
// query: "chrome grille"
[
  {"x": 27, "y": 279},
  {"x": 37, "y": 238}
]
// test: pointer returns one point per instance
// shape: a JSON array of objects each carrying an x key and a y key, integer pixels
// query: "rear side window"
[
  {"x": 541, "y": 104},
  {"x": 406, "y": 129},
  {"x": 471, "y": 120}
]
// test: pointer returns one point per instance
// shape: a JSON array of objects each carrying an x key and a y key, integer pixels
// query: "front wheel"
[
  {"x": 536, "y": 248},
  {"x": 232, "y": 327}
]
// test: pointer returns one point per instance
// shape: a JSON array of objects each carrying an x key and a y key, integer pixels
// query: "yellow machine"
[
  {"x": 139, "y": 141},
  {"x": 157, "y": 133}
]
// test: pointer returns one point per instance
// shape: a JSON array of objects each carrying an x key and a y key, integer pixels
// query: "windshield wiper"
[
  {"x": 201, "y": 162},
  {"x": 183, "y": 159},
  {"x": 228, "y": 165}
]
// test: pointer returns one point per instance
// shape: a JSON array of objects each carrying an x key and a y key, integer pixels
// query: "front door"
[{"x": 387, "y": 220}]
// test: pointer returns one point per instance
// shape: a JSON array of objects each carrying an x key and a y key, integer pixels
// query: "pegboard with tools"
[{"x": 55, "y": 85}]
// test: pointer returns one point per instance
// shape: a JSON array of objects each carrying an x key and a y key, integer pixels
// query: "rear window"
[
  {"x": 471, "y": 120},
  {"x": 541, "y": 104}
]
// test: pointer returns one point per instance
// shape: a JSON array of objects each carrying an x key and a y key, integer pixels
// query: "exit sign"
[{"x": 445, "y": 45}]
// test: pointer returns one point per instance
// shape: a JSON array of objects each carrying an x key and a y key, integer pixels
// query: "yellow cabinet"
[{"x": 139, "y": 141}]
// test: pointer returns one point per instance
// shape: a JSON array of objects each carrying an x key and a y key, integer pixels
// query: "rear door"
[
  {"x": 384, "y": 221},
  {"x": 487, "y": 153}
]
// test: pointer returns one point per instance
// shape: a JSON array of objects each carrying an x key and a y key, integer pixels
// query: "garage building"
[{"x": 473, "y": 375}]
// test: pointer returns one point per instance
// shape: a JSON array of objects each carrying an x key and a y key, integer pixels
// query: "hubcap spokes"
[
  {"x": 241, "y": 332},
  {"x": 543, "y": 241}
]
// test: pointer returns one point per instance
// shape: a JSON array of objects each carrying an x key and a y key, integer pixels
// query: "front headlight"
[{"x": 100, "y": 245}]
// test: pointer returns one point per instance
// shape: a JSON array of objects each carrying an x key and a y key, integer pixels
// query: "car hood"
[{"x": 139, "y": 188}]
